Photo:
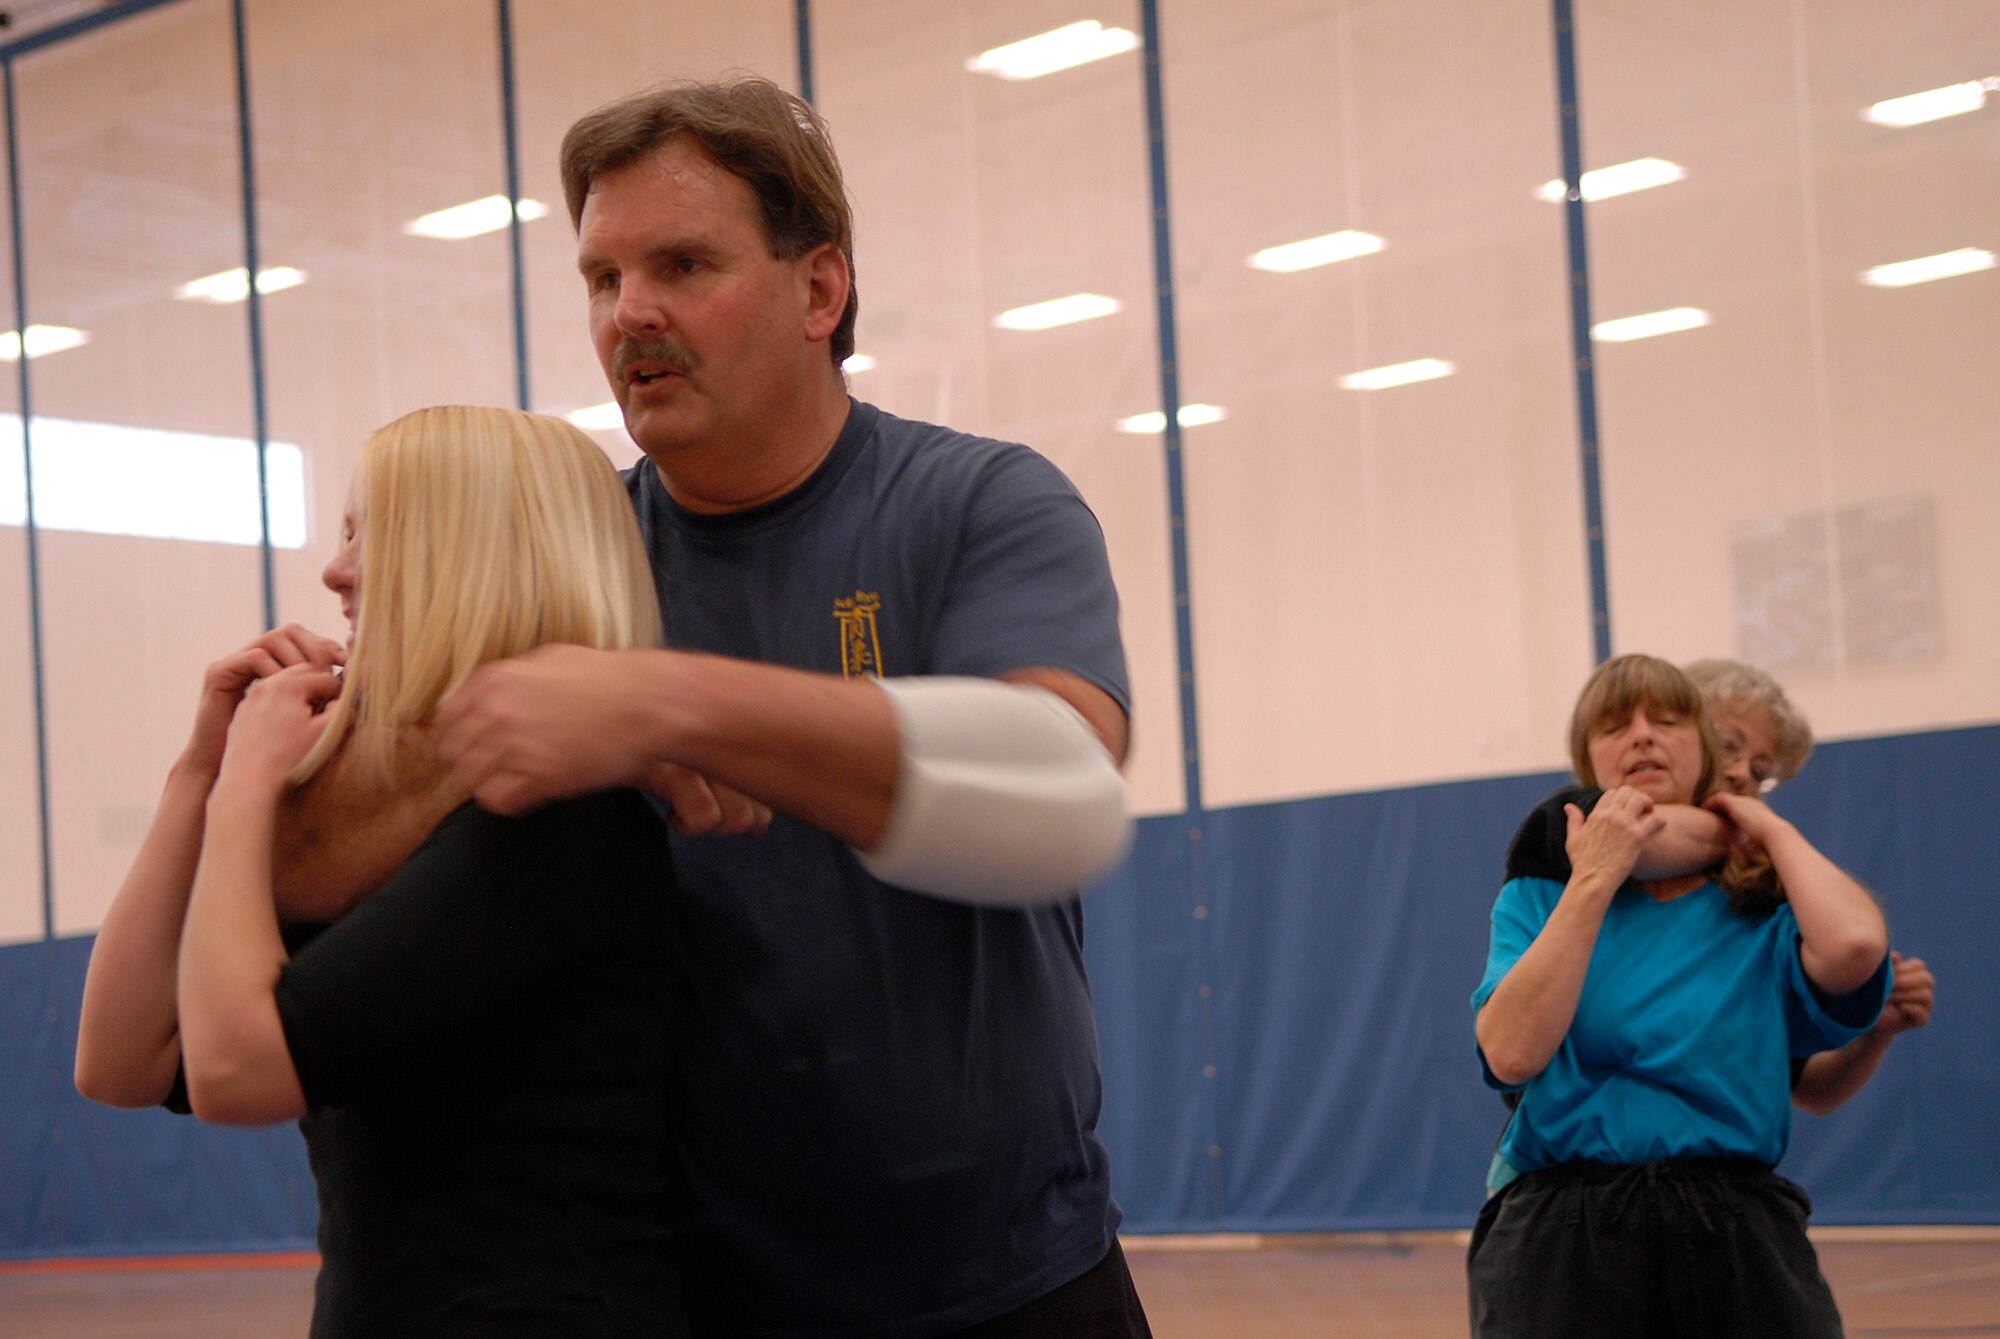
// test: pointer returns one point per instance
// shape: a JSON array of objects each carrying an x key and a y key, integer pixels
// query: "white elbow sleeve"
[{"x": 1005, "y": 796}]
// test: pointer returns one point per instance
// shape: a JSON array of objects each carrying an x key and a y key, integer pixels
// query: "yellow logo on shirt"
[{"x": 860, "y": 648}]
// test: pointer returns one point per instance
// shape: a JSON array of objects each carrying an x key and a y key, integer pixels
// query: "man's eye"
[
  {"x": 686, "y": 264},
  {"x": 601, "y": 281}
]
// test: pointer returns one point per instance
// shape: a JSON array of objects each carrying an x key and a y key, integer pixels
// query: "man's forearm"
[
  {"x": 818, "y": 748},
  {"x": 828, "y": 751}
]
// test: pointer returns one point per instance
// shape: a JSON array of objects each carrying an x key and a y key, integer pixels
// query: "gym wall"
[{"x": 1357, "y": 617}]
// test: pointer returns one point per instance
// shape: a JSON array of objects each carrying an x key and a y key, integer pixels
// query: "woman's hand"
[
  {"x": 228, "y": 679},
  {"x": 1530, "y": 1011},
  {"x": 238, "y": 1065},
  {"x": 281, "y": 717},
  {"x": 1910, "y": 1000},
  {"x": 1606, "y": 844},
  {"x": 128, "y": 1035}
]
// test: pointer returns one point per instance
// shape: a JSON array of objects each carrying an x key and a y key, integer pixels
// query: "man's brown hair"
[{"x": 774, "y": 141}]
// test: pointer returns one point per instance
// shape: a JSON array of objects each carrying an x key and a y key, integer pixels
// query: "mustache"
[{"x": 658, "y": 349}]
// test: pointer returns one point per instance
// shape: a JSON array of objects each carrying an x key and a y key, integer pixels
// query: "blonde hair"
[{"x": 486, "y": 533}]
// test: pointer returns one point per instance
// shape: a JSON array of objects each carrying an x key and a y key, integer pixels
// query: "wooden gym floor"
[{"x": 1895, "y": 1283}]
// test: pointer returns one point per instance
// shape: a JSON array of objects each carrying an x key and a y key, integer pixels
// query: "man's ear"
[{"x": 825, "y": 288}]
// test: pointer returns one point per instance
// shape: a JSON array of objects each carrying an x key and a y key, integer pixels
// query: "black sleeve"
[
  {"x": 484, "y": 922},
  {"x": 1540, "y": 849}
]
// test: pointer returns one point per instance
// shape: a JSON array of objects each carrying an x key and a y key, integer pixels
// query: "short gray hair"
[{"x": 1728, "y": 684}]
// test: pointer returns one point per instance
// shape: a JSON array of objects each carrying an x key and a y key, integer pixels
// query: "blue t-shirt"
[
  {"x": 887, "y": 1102},
  {"x": 1681, "y": 1040}
]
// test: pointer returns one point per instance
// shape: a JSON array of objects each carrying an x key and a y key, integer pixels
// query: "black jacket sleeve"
[{"x": 1540, "y": 848}]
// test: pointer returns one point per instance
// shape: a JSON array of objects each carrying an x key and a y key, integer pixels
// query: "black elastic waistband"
[{"x": 1602, "y": 1173}]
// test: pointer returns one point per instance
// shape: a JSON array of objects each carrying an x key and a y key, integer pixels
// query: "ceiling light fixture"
[
  {"x": 1398, "y": 374},
  {"x": 1601, "y": 183},
  {"x": 1057, "y": 311},
  {"x": 1944, "y": 265},
  {"x": 1623, "y": 329},
  {"x": 598, "y": 417},
  {"x": 1323, "y": 250},
  {"x": 42, "y": 340},
  {"x": 472, "y": 218},
  {"x": 1188, "y": 416},
  {"x": 233, "y": 286},
  {"x": 115, "y": 479},
  {"x": 1933, "y": 104},
  {"x": 1045, "y": 53}
]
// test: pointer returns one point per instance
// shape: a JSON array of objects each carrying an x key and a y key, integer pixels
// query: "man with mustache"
[{"x": 896, "y": 648}]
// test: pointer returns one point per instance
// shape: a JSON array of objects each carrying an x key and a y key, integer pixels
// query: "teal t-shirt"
[{"x": 1681, "y": 1043}]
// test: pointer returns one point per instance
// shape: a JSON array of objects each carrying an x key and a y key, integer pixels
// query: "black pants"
[
  {"x": 1701, "y": 1247},
  {"x": 1100, "y": 1303}
]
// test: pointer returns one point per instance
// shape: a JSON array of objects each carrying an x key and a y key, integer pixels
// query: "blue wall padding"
[
  {"x": 80, "y": 1179},
  {"x": 1326, "y": 1081},
  {"x": 1347, "y": 934},
  {"x": 1915, "y": 818}
]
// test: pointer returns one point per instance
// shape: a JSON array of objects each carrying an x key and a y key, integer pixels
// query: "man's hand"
[
  {"x": 228, "y": 679},
  {"x": 705, "y": 808},
  {"x": 567, "y": 720},
  {"x": 1911, "y": 998},
  {"x": 556, "y": 722},
  {"x": 1607, "y": 843}
]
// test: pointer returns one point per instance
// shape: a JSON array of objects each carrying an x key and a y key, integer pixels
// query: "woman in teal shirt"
[{"x": 1648, "y": 1026}]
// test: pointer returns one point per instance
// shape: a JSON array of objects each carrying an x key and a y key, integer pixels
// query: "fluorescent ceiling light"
[
  {"x": 1946, "y": 265},
  {"x": 1602, "y": 183},
  {"x": 1644, "y": 326},
  {"x": 42, "y": 339},
  {"x": 1045, "y": 53},
  {"x": 232, "y": 286},
  {"x": 472, "y": 218},
  {"x": 858, "y": 362},
  {"x": 1189, "y": 416},
  {"x": 598, "y": 417},
  {"x": 1398, "y": 374},
  {"x": 1913, "y": 109},
  {"x": 1323, "y": 250},
  {"x": 114, "y": 479},
  {"x": 1057, "y": 311}
]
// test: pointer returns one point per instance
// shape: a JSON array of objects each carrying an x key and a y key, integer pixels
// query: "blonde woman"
[{"x": 476, "y": 1049}]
